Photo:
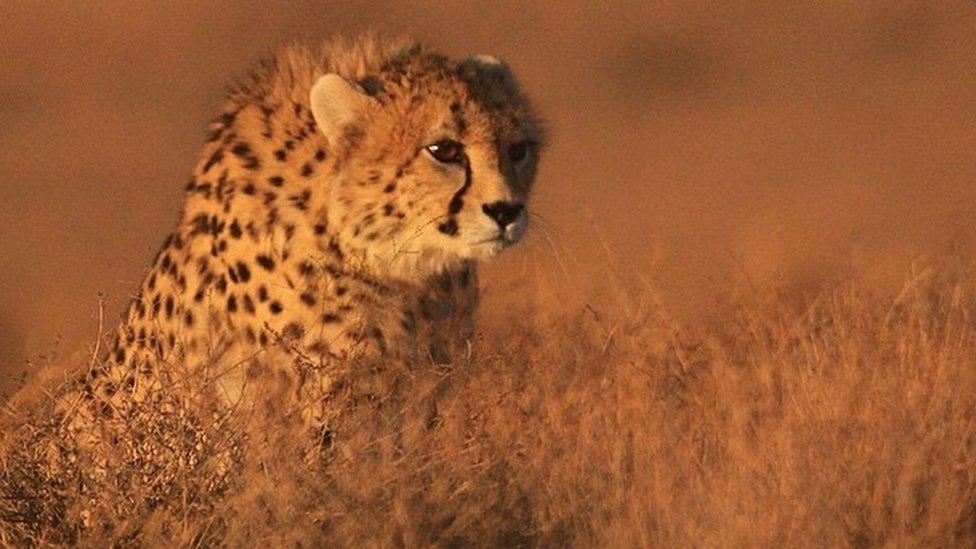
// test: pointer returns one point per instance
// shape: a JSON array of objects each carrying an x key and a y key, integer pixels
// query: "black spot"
[
  {"x": 320, "y": 155},
  {"x": 222, "y": 285},
  {"x": 169, "y": 307},
  {"x": 371, "y": 85},
  {"x": 248, "y": 304},
  {"x": 248, "y": 189},
  {"x": 232, "y": 303},
  {"x": 264, "y": 338},
  {"x": 341, "y": 290},
  {"x": 204, "y": 189},
  {"x": 276, "y": 180},
  {"x": 390, "y": 187},
  {"x": 188, "y": 318},
  {"x": 301, "y": 200},
  {"x": 292, "y": 330},
  {"x": 308, "y": 299},
  {"x": 200, "y": 223},
  {"x": 334, "y": 249},
  {"x": 243, "y": 272},
  {"x": 262, "y": 293},
  {"x": 216, "y": 225},
  {"x": 241, "y": 149},
  {"x": 215, "y": 158},
  {"x": 281, "y": 155},
  {"x": 319, "y": 228},
  {"x": 307, "y": 169},
  {"x": 275, "y": 307},
  {"x": 306, "y": 268},
  {"x": 235, "y": 229},
  {"x": 120, "y": 355},
  {"x": 318, "y": 348},
  {"x": 249, "y": 160},
  {"x": 330, "y": 318},
  {"x": 449, "y": 227},
  {"x": 265, "y": 261}
]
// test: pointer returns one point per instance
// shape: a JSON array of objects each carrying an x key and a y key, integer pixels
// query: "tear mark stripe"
[{"x": 450, "y": 227}]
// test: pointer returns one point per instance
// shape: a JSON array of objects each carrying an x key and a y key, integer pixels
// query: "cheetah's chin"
[{"x": 489, "y": 248}]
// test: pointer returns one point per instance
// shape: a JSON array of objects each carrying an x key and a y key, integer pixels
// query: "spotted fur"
[{"x": 322, "y": 243}]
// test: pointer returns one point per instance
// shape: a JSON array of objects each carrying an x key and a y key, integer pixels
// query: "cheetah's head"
[{"x": 435, "y": 161}]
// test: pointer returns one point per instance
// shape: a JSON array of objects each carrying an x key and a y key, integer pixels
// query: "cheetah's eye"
[
  {"x": 518, "y": 152},
  {"x": 447, "y": 151}
]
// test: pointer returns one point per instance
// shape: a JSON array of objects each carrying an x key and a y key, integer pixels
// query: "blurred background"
[{"x": 692, "y": 143}]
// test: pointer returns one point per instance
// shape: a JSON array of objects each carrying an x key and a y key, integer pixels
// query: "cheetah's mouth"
[
  {"x": 501, "y": 240},
  {"x": 491, "y": 247},
  {"x": 497, "y": 240}
]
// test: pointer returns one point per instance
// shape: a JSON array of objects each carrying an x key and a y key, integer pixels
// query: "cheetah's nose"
[{"x": 510, "y": 216}]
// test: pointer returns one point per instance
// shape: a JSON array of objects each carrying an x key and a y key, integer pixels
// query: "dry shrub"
[{"x": 842, "y": 419}]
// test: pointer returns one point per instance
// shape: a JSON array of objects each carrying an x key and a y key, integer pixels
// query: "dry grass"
[{"x": 842, "y": 420}]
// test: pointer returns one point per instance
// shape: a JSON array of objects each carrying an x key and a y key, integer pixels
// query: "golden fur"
[{"x": 315, "y": 230}]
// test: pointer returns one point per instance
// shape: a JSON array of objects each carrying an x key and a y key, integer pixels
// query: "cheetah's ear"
[
  {"x": 336, "y": 103},
  {"x": 486, "y": 71},
  {"x": 484, "y": 64},
  {"x": 485, "y": 60}
]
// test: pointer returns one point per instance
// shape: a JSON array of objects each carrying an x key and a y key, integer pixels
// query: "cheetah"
[{"x": 341, "y": 204}]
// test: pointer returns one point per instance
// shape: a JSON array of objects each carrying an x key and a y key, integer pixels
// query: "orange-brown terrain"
[{"x": 745, "y": 317}]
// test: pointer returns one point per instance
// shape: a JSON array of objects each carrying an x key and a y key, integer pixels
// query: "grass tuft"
[{"x": 842, "y": 419}]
